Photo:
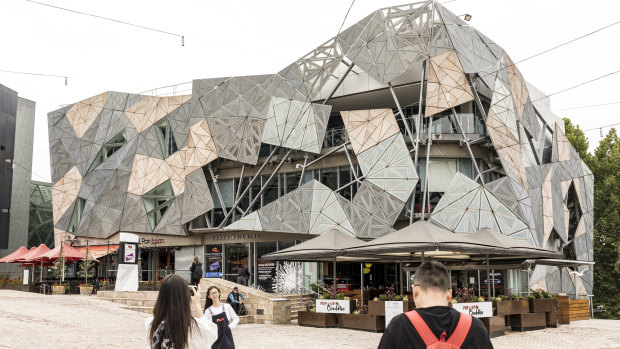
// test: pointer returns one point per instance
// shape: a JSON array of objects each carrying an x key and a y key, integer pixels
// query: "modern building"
[
  {"x": 410, "y": 113},
  {"x": 40, "y": 224},
  {"x": 16, "y": 139}
]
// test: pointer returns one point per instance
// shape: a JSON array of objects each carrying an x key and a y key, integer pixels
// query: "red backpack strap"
[
  {"x": 462, "y": 329},
  {"x": 420, "y": 325}
]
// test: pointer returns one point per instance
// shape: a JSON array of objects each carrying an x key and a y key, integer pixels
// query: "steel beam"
[
  {"x": 216, "y": 185},
  {"x": 428, "y": 155},
  {"x": 416, "y": 141},
  {"x": 471, "y": 154},
  {"x": 400, "y": 111},
  {"x": 339, "y": 82}
]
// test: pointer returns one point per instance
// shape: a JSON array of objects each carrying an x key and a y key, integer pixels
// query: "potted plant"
[
  {"x": 377, "y": 305},
  {"x": 86, "y": 289},
  {"x": 541, "y": 302},
  {"x": 361, "y": 320},
  {"x": 511, "y": 304},
  {"x": 59, "y": 287},
  {"x": 310, "y": 317}
]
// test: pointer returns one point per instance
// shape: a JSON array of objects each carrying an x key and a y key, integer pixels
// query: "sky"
[{"x": 238, "y": 37}]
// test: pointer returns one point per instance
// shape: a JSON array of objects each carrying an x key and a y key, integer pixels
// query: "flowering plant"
[
  {"x": 464, "y": 295},
  {"x": 86, "y": 285},
  {"x": 105, "y": 282},
  {"x": 63, "y": 284}
]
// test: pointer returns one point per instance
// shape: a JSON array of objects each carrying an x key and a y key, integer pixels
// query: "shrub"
[{"x": 383, "y": 297}]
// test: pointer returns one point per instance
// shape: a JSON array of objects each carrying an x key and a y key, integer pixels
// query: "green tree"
[
  {"x": 577, "y": 139},
  {"x": 605, "y": 165}
]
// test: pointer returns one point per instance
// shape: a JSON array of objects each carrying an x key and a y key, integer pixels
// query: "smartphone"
[{"x": 192, "y": 290}]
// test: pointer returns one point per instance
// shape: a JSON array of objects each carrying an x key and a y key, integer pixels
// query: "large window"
[
  {"x": 76, "y": 217},
  {"x": 109, "y": 148},
  {"x": 157, "y": 201},
  {"x": 166, "y": 139}
]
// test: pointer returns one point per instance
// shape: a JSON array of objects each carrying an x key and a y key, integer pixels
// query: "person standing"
[
  {"x": 242, "y": 275},
  {"x": 433, "y": 322},
  {"x": 223, "y": 315},
  {"x": 178, "y": 321},
  {"x": 195, "y": 271},
  {"x": 235, "y": 299}
]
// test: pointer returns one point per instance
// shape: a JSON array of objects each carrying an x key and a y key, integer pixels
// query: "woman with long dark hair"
[
  {"x": 178, "y": 322},
  {"x": 223, "y": 315}
]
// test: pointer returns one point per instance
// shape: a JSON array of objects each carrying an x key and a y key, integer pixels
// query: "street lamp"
[{"x": 466, "y": 17}]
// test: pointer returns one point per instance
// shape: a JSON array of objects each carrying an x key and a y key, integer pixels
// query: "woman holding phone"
[
  {"x": 223, "y": 315},
  {"x": 178, "y": 321}
]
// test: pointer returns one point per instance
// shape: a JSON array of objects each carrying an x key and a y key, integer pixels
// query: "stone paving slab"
[{"x": 29, "y": 320}]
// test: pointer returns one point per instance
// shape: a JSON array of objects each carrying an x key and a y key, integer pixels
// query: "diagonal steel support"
[
  {"x": 248, "y": 187},
  {"x": 240, "y": 182},
  {"x": 471, "y": 154},
  {"x": 303, "y": 171},
  {"x": 428, "y": 155},
  {"x": 416, "y": 141},
  {"x": 353, "y": 171},
  {"x": 477, "y": 97},
  {"x": 275, "y": 171},
  {"x": 400, "y": 111},
  {"x": 339, "y": 82},
  {"x": 216, "y": 185}
]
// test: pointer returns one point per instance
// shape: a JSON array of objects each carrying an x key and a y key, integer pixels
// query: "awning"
[
  {"x": 18, "y": 253},
  {"x": 98, "y": 251},
  {"x": 325, "y": 247},
  {"x": 69, "y": 253},
  {"x": 512, "y": 247}
]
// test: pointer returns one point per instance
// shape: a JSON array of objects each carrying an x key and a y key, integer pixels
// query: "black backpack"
[{"x": 197, "y": 274}]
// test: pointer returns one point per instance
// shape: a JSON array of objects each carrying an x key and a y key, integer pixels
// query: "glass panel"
[
  {"x": 441, "y": 172},
  {"x": 346, "y": 178},
  {"x": 76, "y": 216},
  {"x": 308, "y": 176},
  {"x": 237, "y": 257},
  {"x": 272, "y": 190},
  {"x": 465, "y": 167},
  {"x": 157, "y": 201},
  {"x": 329, "y": 177},
  {"x": 292, "y": 182}
]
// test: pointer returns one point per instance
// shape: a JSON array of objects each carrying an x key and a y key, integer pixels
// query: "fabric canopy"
[
  {"x": 325, "y": 247},
  {"x": 422, "y": 236},
  {"x": 512, "y": 246},
  {"x": 98, "y": 251},
  {"x": 32, "y": 254},
  {"x": 69, "y": 254},
  {"x": 18, "y": 253}
]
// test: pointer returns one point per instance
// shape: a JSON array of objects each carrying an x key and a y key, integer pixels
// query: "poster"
[
  {"x": 130, "y": 253},
  {"x": 26, "y": 277},
  {"x": 214, "y": 261},
  {"x": 266, "y": 272},
  {"x": 392, "y": 309},
  {"x": 477, "y": 309}
]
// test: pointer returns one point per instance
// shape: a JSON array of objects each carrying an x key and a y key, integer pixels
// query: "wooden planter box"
[
  {"x": 86, "y": 291},
  {"x": 542, "y": 305},
  {"x": 365, "y": 322},
  {"x": 495, "y": 325},
  {"x": 310, "y": 318},
  {"x": 351, "y": 303},
  {"x": 564, "y": 306},
  {"x": 511, "y": 307},
  {"x": 58, "y": 290},
  {"x": 527, "y": 322},
  {"x": 551, "y": 319},
  {"x": 378, "y": 307}
]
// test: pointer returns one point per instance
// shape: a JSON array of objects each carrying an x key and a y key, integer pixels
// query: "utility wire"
[
  {"x": 35, "y": 74},
  {"x": 588, "y": 106},
  {"x": 111, "y": 19},
  {"x": 600, "y": 127}
]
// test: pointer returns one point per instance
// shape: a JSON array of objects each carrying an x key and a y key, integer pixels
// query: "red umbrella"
[
  {"x": 69, "y": 254},
  {"x": 20, "y": 251},
  {"x": 32, "y": 254}
]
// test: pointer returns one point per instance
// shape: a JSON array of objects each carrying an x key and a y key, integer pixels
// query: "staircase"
[{"x": 297, "y": 302}]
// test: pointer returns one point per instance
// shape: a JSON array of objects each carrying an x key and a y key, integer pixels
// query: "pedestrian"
[
  {"x": 223, "y": 315},
  {"x": 242, "y": 275},
  {"x": 178, "y": 321},
  {"x": 195, "y": 271},
  {"x": 433, "y": 323},
  {"x": 235, "y": 299}
]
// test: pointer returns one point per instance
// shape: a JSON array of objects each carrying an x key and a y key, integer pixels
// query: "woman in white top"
[
  {"x": 178, "y": 321},
  {"x": 223, "y": 315}
]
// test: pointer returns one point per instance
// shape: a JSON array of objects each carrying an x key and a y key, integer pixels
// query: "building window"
[
  {"x": 466, "y": 168},
  {"x": 109, "y": 148},
  {"x": 76, "y": 216},
  {"x": 157, "y": 201},
  {"x": 166, "y": 139},
  {"x": 273, "y": 190}
]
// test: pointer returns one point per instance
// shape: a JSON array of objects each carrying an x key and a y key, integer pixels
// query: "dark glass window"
[
  {"x": 108, "y": 149},
  {"x": 166, "y": 139},
  {"x": 157, "y": 201}
]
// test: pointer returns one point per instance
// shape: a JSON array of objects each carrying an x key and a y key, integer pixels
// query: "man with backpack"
[
  {"x": 195, "y": 271},
  {"x": 433, "y": 324}
]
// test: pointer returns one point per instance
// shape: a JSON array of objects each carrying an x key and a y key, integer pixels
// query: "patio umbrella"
[
  {"x": 28, "y": 258},
  {"x": 18, "y": 253},
  {"x": 327, "y": 247},
  {"x": 424, "y": 237},
  {"x": 512, "y": 246},
  {"x": 68, "y": 253}
]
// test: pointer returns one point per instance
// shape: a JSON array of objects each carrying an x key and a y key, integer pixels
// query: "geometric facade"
[{"x": 166, "y": 153}]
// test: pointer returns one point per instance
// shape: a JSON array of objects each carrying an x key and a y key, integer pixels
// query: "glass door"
[{"x": 237, "y": 256}]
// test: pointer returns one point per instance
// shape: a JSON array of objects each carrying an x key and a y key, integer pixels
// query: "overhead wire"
[
  {"x": 588, "y": 106},
  {"x": 35, "y": 74},
  {"x": 111, "y": 19}
]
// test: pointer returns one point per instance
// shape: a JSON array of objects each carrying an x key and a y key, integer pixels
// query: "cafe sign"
[
  {"x": 477, "y": 309},
  {"x": 334, "y": 306}
]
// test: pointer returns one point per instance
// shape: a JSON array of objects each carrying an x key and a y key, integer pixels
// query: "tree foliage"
[{"x": 605, "y": 165}]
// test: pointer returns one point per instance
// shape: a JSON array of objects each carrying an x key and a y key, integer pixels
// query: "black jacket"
[{"x": 400, "y": 332}]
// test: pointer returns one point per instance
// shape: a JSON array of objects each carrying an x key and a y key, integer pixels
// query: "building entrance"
[{"x": 236, "y": 256}]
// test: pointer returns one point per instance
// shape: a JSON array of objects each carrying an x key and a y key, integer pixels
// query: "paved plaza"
[{"x": 31, "y": 320}]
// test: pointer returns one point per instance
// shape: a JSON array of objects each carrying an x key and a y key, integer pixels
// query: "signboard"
[
  {"x": 26, "y": 278},
  {"x": 130, "y": 253},
  {"x": 392, "y": 309},
  {"x": 334, "y": 306},
  {"x": 478, "y": 309},
  {"x": 214, "y": 261},
  {"x": 265, "y": 273}
]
